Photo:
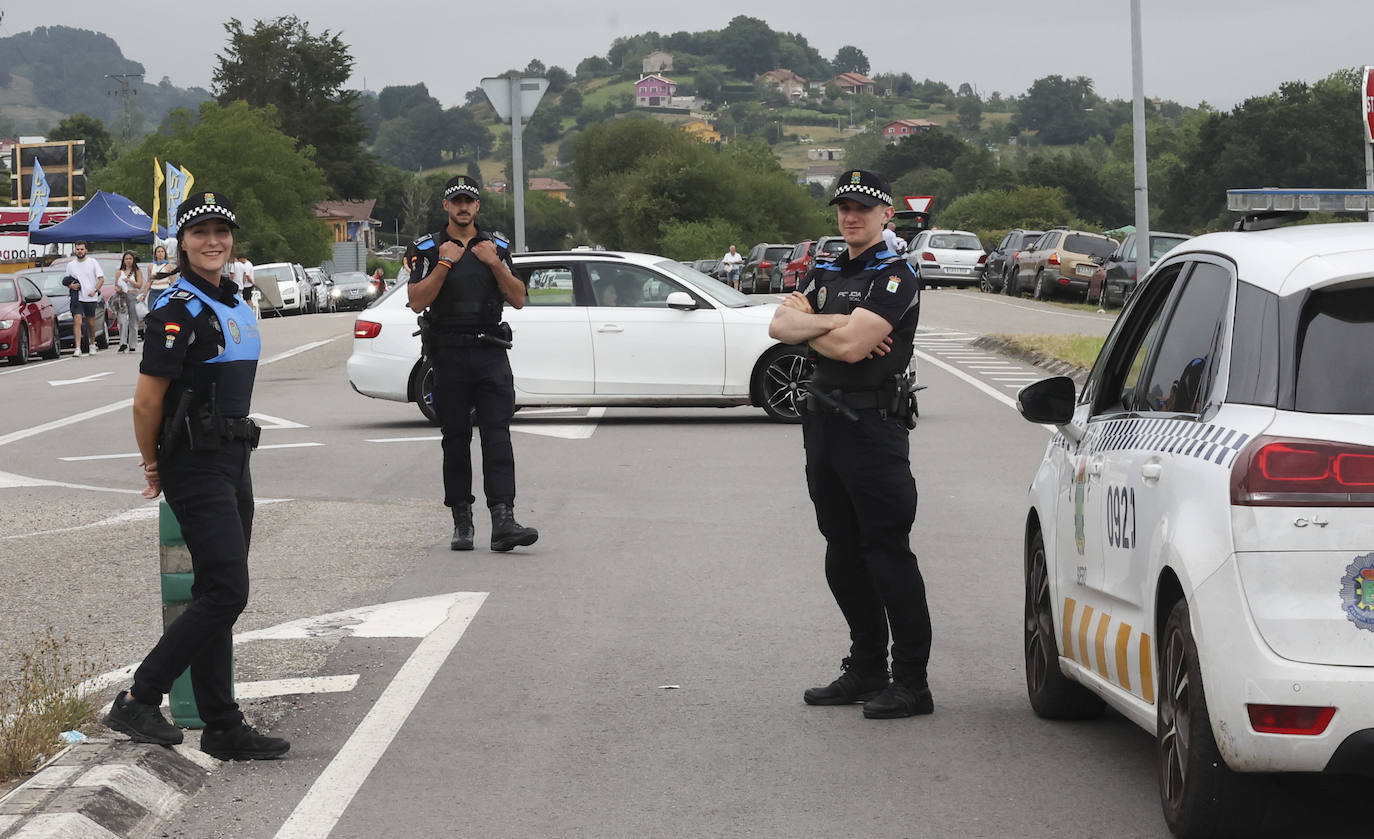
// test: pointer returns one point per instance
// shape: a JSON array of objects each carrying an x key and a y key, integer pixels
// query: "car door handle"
[
  {"x": 1152, "y": 470},
  {"x": 610, "y": 327},
  {"x": 1095, "y": 467}
]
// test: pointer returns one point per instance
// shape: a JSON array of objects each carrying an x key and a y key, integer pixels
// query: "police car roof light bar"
[{"x": 1272, "y": 199}]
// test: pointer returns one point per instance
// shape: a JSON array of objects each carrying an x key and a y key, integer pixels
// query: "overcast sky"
[{"x": 1218, "y": 51}]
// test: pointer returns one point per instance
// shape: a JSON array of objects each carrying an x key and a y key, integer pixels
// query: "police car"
[{"x": 1199, "y": 540}]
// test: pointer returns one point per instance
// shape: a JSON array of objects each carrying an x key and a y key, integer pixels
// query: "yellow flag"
[
  {"x": 157, "y": 192},
  {"x": 188, "y": 180}
]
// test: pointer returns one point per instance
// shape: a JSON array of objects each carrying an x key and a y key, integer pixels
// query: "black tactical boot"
[
  {"x": 242, "y": 742},
  {"x": 462, "y": 528},
  {"x": 506, "y": 532},
  {"x": 905, "y": 697},
  {"x": 853, "y": 685}
]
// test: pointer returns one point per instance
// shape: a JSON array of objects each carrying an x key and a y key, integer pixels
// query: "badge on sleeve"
[
  {"x": 892, "y": 284},
  {"x": 820, "y": 299},
  {"x": 172, "y": 330}
]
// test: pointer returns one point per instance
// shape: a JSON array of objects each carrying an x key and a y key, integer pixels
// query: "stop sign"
[{"x": 1368, "y": 100}]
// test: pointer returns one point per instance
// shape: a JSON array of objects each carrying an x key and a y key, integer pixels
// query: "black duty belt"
[{"x": 841, "y": 402}]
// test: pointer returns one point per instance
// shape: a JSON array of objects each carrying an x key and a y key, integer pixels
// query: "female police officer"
[
  {"x": 859, "y": 315},
  {"x": 190, "y": 421}
]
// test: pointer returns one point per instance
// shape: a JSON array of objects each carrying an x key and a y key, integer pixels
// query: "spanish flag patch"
[{"x": 172, "y": 330}]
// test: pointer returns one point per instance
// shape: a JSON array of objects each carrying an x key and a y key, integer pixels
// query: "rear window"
[
  {"x": 777, "y": 254},
  {"x": 834, "y": 247},
  {"x": 1335, "y": 343},
  {"x": 955, "y": 242},
  {"x": 1160, "y": 245},
  {"x": 1091, "y": 245}
]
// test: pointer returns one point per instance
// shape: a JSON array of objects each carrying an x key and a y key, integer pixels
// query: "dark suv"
[
  {"x": 758, "y": 266},
  {"x": 1002, "y": 260},
  {"x": 1118, "y": 279}
]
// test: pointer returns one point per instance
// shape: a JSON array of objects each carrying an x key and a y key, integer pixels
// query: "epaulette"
[
  {"x": 500, "y": 242},
  {"x": 424, "y": 243},
  {"x": 180, "y": 294}
]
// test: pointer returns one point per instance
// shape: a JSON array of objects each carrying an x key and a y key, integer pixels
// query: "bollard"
[{"x": 177, "y": 576}]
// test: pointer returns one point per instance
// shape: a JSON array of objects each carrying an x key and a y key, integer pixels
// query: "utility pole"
[{"x": 125, "y": 93}]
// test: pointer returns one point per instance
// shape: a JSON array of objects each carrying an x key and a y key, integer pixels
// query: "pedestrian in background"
[
  {"x": 894, "y": 242},
  {"x": 191, "y": 425},
  {"x": 91, "y": 277},
  {"x": 461, "y": 279},
  {"x": 859, "y": 313},
  {"x": 730, "y": 266},
  {"x": 129, "y": 284},
  {"x": 160, "y": 274}
]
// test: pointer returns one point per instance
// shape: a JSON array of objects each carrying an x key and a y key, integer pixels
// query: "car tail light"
[
  {"x": 765, "y": 265},
  {"x": 1015, "y": 254},
  {"x": 927, "y": 256},
  {"x": 1282, "y": 472},
  {"x": 1054, "y": 259},
  {"x": 366, "y": 329},
  {"x": 1306, "y": 720},
  {"x": 982, "y": 260}
]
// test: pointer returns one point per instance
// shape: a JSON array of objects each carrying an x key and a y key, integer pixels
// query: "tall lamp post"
[{"x": 1142, "y": 181}]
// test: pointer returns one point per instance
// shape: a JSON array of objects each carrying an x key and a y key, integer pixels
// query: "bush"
[{"x": 41, "y": 702}]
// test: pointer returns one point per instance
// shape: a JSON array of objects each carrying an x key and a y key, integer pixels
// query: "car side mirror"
[
  {"x": 682, "y": 301},
  {"x": 32, "y": 298},
  {"x": 1048, "y": 401}
]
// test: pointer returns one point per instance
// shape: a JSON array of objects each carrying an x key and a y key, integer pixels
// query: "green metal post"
[{"x": 177, "y": 576}]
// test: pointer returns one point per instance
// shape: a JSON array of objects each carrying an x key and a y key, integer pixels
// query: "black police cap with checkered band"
[
  {"x": 205, "y": 206},
  {"x": 867, "y": 188},
  {"x": 462, "y": 184}
]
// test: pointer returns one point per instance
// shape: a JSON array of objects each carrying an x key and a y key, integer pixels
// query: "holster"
[
  {"x": 901, "y": 398},
  {"x": 426, "y": 333}
]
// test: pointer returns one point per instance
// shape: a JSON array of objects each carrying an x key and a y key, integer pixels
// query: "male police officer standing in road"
[
  {"x": 859, "y": 314},
  {"x": 463, "y": 276}
]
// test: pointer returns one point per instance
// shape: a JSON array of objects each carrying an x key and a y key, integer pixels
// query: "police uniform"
[
  {"x": 463, "y": 332},
  {"x": 858, "y": 472},
  {"x": 204, "y": 338}
]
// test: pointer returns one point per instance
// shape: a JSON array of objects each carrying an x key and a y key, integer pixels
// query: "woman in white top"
[
  {"x": 129, "y": 285},
  {"x": 160, "y": 275}
]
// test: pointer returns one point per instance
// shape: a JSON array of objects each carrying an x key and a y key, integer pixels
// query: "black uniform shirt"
[
  {"x": 883, "y": 283},
  {"x": 465, "y": 270}
]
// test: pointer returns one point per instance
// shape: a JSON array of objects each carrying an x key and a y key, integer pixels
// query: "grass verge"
[
  {"x": 1080, "y": 350},
  {"x": 41, "y": 702}
]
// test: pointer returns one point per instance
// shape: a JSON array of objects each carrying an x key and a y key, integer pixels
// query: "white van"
[{"x": 291, "y": 282}]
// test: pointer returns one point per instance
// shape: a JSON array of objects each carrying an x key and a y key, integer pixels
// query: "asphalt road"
[{"x": 638, "y": 671}]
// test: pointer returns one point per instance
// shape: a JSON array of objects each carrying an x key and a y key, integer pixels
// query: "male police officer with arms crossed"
[
  {"x": 859, "y": 314},
  {"x": 463, "y": 276}
]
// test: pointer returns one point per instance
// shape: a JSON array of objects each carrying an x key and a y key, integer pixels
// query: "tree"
[
  {"x": 970, "y": 113},
  {"x": 850, "y": 60},
  {"x": 699, "y": 239},
  {"x": 281, "y": 63},
  {"x": 1036, "y": 207},
  {"x": 570, "y": 104},
  {"x": 274, "y": 198},
  {"x": 535, "y": 68},
  {"x": 709, "y": 85},
  {"x": 558, "y": 79},
  {"x": 592, "y": 67},
  {"x": 416, "y": 203},
  {"x": 396, "y": 100},
  {"x": 1059, "y": 109},
  {"x": 749, "y": 46},
  {"x": 82, "y": 127}
]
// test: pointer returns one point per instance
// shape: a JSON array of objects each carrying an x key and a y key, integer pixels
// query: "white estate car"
[
  {"x": 947, "y": 257},
  {"x": 605, "y": 328},
  {"x": 1199, "y": 543}
]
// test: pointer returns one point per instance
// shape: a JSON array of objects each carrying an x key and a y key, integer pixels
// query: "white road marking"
[
  {"x": 136, "y": 454},
  {"x": 330, "y": 795},
  {"x": 266, "y": 421},
  {"x": 976, "y": 382},
  {"x": 1024, "y": 377},
  {"x": 529, "y": 412},
  {"x": 578, "y": 429},
  {"x": 289, "y": 687},
  {"x": 9, "y": 480},
  {"x": 298, "y": 350},
  {"x": 289, "y": 446},
  {"x": 414, "y": 618},
  {"x": 33, "y": 365},
  {"x": 15, "y": 436},
  {"x": 147, "y": 511},
  {"x": 428, "y": 439},
  {"x": 91, "y": 378}
]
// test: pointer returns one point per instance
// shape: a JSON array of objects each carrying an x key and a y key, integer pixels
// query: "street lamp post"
[{"x": 1142, "y": 181}]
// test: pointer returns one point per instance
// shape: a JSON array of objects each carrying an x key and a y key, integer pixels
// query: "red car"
[
  {"x": 796, "y": 264},
  {"x": 28, "y": 321}
]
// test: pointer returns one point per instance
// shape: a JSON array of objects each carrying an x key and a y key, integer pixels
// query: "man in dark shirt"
[{"x": 859, "y": 316}]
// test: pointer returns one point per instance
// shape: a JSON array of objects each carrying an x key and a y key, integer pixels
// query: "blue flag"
[
  {"x": 38, "y": 196},
  {"x": 176, "y": 193}
]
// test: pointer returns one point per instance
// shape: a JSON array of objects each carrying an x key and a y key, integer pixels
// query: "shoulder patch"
[
  {"x": 181, "y": 294},
  {"x": 500, "y": 243},
  {"x": 425, "y": 242}
]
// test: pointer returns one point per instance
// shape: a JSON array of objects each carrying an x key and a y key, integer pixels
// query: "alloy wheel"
[
  {"x": 1175, "y": 714},
  {"x": 783, "y": 380},
  {"x": 1040, "y": 649}
]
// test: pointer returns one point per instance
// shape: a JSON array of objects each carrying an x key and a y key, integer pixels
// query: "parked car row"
[{"x": 1069, "y": 263}]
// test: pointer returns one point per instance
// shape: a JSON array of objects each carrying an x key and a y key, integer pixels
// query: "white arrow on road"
[{"x": 91, "y": 378}]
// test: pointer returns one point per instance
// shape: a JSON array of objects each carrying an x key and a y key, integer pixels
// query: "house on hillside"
[
  {"x": 900, "y": 129},
  {"x": 351, "y": 221},
  {"x": 654, "y": 91},
  {"x": 658, "y": 61},
  {"x": 825, "y": 154},
  {"x": 551, "y": 187},
  {"x": 703, "y": 131},
  {"x": 785, "y": 81},
  {"x": 823, "y": 175},
  {"x": 853, "y": 83}
]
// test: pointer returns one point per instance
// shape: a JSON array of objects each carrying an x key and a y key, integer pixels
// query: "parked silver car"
[{"x": 947, "y": 257}]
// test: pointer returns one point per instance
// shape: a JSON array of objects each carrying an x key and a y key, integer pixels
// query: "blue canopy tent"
[{"x": 107, "y": 217}]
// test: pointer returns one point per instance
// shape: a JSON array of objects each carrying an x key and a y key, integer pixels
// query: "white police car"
[{"x": 1199, "y": 544}]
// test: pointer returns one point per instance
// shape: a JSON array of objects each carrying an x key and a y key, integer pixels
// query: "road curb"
[
  {"x": 104, "y": 789},
  {"x": 1044, "y": 362}
]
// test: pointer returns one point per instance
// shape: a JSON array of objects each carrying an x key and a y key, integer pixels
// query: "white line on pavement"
[
  {"x": 289, "y": 446},
  {"x": 22, "y": 434},
  {"x": 978, "y": 383},
  {"x": 298, "y": 350},
  {"x": 330, "y": 795},
  {"x": 32, "y": 366},
  {"x": 288, "y": 687},
  {"x": 136, "y": 454},
  {"x": 405, "y": 439}
]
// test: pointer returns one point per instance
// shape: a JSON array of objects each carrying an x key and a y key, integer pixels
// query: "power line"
[{"x": 125, "y": 93}]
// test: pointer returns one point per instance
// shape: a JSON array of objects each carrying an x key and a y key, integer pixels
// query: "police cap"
[
  {"x": 204, "y": 206},
  {"x": 865, "y": 187},
  {"x": 462, "y": 184}
]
